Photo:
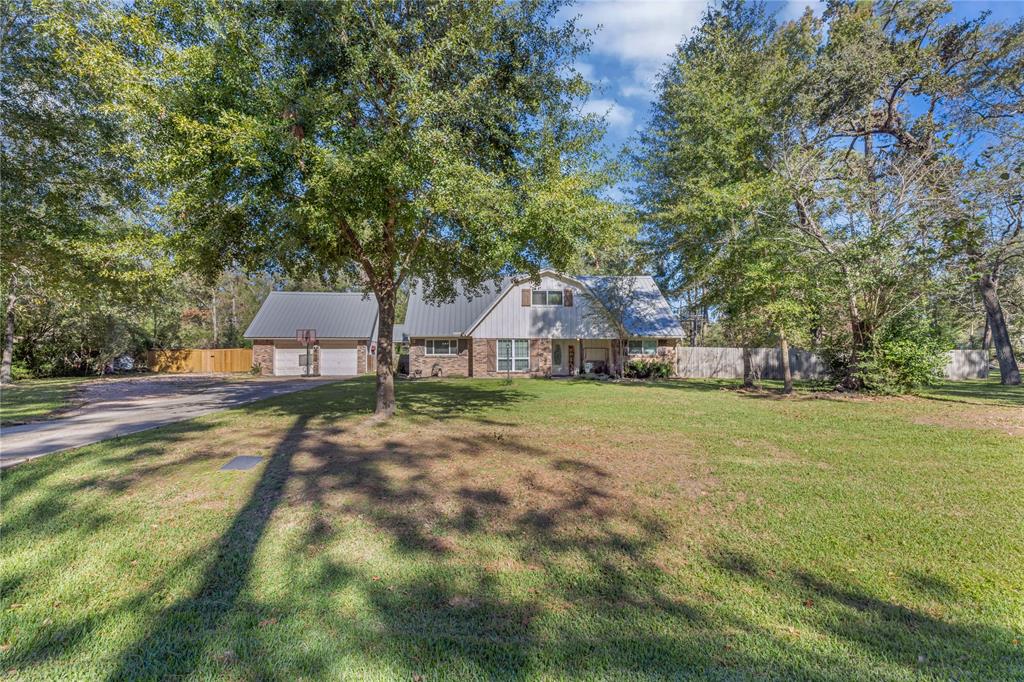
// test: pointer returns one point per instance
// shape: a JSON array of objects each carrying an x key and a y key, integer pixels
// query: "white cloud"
[
  {"x": 638, "y": 34},
  {"x": 634, "y": 90},
  {"x": 639, "y": 30},
  {"x": 614, "y": 113}
]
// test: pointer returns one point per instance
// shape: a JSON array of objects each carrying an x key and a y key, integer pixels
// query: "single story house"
[
  {"x": 560, "y": 326},
  {"x": 345, "y": 325}
]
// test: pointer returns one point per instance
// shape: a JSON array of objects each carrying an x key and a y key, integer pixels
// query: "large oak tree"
[{"x": 397, "y": 141}]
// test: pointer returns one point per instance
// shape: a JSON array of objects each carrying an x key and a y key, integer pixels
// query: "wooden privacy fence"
[
  {"x": 703, "y": 362},
  {"x": 200, "y": 360}
]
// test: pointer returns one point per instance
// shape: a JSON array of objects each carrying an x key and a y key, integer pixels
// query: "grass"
[
  {"x": 34, "y": 399},
  {"x": 537, "y": 529}
]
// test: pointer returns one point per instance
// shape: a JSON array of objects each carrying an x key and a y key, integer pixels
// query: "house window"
[
  {"x": 547, "y": 297},
  {"x": 441, "y": 346},
  {"x": 643, "y": 346},
  {"x": 513, "y": 355}
]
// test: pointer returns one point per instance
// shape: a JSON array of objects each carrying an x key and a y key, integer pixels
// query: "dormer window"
[{"x": 547, "y": 297}]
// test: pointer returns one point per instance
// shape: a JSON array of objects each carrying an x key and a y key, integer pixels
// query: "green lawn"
[
  {"x": 34, "y": 399},
  {"x": 538, "y": 529}
]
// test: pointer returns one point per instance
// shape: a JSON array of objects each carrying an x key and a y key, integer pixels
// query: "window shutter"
[
  {"x": 567, "y": 298},
  {"x": 527, "y": 294}
]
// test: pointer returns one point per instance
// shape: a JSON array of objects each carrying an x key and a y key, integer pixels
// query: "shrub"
[
  {"x": 901, "y": 365},
  {"x": 648, "y": 369},
  {"x": 19, "y": 372}
]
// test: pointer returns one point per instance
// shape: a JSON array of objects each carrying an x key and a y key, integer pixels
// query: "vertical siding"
[{"x": 511, "y": 319}]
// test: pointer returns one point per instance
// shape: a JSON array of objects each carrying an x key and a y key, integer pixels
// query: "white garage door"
[
  {"x": 337, "y": 361},
  {"x": 286, "y": 361}
]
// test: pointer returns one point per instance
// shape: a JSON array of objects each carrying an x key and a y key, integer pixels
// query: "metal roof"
[
  {"x": 648, "y": 313},
  {"x": 332, "y": 315},
  {"x": 449, "y": 319}
]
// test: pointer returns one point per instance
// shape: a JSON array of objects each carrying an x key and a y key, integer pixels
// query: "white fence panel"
[
  {"x": 966, "y": 364},
  {"x": 727, "y": 363},
  {"x": 707, "y": 362}
]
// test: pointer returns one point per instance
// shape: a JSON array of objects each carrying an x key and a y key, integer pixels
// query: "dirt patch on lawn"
[
  {"x": 433, "y": 488},
  {"x": 1006, "y": 420}
]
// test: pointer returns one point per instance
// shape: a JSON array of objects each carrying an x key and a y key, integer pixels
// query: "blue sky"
[{"x": 636, "y": 36}]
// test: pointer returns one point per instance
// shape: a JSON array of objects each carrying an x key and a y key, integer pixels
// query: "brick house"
[
  {"x": 345, "y": 324},
  {"x": 560, "y": 325}
]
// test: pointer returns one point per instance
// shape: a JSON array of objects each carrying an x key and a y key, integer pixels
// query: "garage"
[
  {"x": 289, "y": 359},
  {"x": 343, "y": 324},
  {"x": 338, "y": 359}
]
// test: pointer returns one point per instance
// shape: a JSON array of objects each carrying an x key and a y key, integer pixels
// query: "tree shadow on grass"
[
  {"x": 545, "y": 567},
  {"x": 977, "y": 392},
  {"x": 919, "y": 642},
  {"x": 562, "y": 526},
  {"x": 174, "y": 643}
]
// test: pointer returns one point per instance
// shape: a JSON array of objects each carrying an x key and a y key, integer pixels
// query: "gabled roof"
[
  {"x": 332, "y": 315},
  {"x": 449, "y": 319},
  {"x": 648, "y": 312}
]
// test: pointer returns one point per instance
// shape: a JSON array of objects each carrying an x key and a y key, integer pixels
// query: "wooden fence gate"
[{"x": 200, "y": 360}]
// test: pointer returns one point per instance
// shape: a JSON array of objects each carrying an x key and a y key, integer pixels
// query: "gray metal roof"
[
  {"x": 646, "y": 312},
  {"x": 332, "y": 315},
  {"x": 448, "y": 319}
]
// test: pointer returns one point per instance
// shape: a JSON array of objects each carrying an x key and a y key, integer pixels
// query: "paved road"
[{"x": 117, "y": 407}]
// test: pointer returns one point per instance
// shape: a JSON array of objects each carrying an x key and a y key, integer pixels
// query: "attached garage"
[
  {"x": 338, "y": 358},
  {"x": 289, "y": 359},
  {"x": 345, "y": 324}
]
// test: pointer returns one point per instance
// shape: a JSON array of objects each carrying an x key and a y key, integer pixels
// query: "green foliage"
[
  {"x": 20, "y": 371},
  {"x": 791, "y": 188},
  {"x": 902, "y": 365},
  {"x": 641, "y": 368},
  {"x": 387, "y": 143}
]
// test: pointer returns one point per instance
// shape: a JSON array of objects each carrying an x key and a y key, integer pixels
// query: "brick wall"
[
  {"x": 263, "y": 356},
  {"x": 667, "y": 352},
  {"x": 485, "y": 362},
  {"x": 361, "y": 349},
  {"x": 540, "y": 357},
  {"x": 421, "y": 364},
  {"x": 484, "y": 358}
]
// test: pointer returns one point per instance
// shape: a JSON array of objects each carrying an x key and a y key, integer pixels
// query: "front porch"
[{"x": 573, "y": 357}]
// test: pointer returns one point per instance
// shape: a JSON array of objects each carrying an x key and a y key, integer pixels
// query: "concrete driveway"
[{"x": 117, "y": 407}]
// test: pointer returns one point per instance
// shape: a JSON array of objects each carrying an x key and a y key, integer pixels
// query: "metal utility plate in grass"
[{"x": 241, "y": 463}]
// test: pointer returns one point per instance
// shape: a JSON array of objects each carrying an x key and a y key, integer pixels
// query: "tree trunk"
[
  {"x": 1009, "y": 374},
  {"x": 859, "y": 343},
  {"x": 8, "y": 353},
  {"x": 787, "y": 372},
  {"x": 234, "y": 307},
  {"x": 385, "y": 355},
  {"x": 986, "y": 337},
  {"x": 748, "y": 369},
  {"x": 213, "y": 309}
]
